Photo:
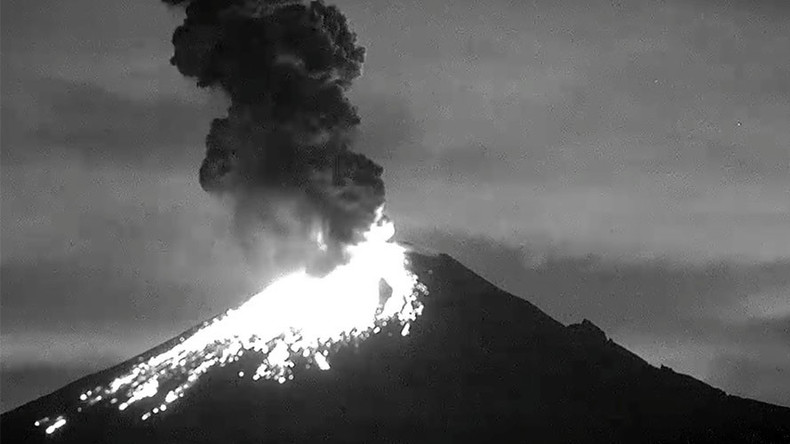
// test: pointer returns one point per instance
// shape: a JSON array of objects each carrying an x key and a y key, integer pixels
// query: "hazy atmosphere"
[{"x": 625, "y": 162}]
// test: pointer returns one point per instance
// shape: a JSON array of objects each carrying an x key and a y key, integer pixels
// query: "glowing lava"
[{"x": 296, "y": 316}]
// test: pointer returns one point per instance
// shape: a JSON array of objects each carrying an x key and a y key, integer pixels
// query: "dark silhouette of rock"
[
  {"x": 480, "y": 365},
  {"x": 587, "y": 329}
]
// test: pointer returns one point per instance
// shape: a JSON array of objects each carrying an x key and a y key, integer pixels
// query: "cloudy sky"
[{"x": 622, "y": 161}]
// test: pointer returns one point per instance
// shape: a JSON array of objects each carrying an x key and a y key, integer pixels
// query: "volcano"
[{"x": 479, "y": 365}]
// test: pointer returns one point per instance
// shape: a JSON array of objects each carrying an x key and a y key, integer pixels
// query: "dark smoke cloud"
[{"x": 282, "y": 153}]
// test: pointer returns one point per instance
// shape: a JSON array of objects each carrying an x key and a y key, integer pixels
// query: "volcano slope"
[{"x": 480, "y": 365}]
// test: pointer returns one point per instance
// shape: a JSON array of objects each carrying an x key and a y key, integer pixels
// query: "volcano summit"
[{"x": 479, "y": 365}]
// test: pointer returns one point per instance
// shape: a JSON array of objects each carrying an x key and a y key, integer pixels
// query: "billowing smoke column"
[{"x": 282, "y": 153}]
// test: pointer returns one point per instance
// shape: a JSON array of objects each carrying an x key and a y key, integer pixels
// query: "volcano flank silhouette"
[{"x": 480, "y": 365}]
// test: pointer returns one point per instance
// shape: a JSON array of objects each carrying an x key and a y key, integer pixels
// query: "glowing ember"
[
  {"x": 296, "y": 316},
  {"x": 59, "y": 422}
]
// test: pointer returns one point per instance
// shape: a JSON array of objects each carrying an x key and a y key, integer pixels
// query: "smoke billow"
[{"x": 282, "y": 153}]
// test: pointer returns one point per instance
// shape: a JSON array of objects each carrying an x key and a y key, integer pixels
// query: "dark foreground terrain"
[{"x": 480, "y": 365}]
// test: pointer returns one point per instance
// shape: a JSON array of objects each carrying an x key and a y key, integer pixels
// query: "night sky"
[{"x": 622, "y": 161}]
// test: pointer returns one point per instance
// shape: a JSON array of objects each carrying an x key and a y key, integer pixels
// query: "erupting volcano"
[
  {"x": 478, "y": 365},
  {"x": 297, "y": 318},
  {"x": 360, "y": 339},
  {"x": 303, "y": 202}
]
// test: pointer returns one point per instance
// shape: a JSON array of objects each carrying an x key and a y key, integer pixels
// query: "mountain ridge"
[{"x": 480, "y": 364}]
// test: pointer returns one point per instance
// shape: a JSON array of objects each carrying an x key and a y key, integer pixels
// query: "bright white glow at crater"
[{"x": 297, "y": 315}]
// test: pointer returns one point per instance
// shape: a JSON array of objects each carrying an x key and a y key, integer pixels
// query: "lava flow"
[{"x": 297, "y": 316}]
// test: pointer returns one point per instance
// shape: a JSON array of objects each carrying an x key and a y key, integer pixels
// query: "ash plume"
[{"x": 282, "y": 152}]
